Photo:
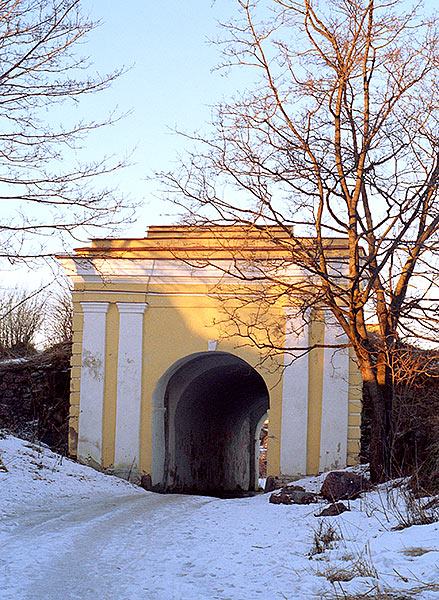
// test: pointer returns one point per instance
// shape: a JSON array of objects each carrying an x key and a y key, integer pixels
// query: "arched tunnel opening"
[{"x": 208, "y": 410}]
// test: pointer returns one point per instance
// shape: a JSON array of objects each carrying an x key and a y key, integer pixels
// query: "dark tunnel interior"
[{"x": 214, "y": 410}]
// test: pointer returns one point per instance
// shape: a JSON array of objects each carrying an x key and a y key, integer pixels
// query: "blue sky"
[{"x": 170, "y": 85}]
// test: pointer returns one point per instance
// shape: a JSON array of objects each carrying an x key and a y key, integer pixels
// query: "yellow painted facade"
[{"x": 152, "y": 291}]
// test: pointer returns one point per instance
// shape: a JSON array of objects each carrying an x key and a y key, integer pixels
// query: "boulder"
[
  {"x": 270, "y": 484},
  {"x": 275, "y": 482},
  {"x": 146, "y": 482},
  {"x": 342, "y": 485},
  {"x": 300, "y": 497},
  {"x": 292, "y": 494},
  {"x": 280, "y": 498},
  {"x": 333, "y": 510},
  {"x": 293, "y": 488}
]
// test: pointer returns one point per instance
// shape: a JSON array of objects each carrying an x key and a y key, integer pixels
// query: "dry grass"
[
  {"x": 360, "y": 565},
  {"x": 324, "y": 538},
  {"x": 371, "y": 595},
  {"x": 398, "y": 502},
  {"x": 415, "y": 551},
  {"x": 376, "y": 594}
]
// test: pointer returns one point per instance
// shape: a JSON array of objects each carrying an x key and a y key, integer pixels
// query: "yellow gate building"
[{"x": 163, "y": 381}]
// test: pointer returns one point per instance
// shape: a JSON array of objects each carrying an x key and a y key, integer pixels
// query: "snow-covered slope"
[{"x": 68, "y": 532}]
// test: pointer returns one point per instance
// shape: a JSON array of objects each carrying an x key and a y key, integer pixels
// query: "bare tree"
[
  {"x": 339, "y": 138},
  {"x": 44, "y": 187},
  {"x": 21, "y": 318}
]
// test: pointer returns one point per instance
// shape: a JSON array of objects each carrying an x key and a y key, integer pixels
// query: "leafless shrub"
[
  {"x": 40, "y": 387},
  {"x": 21, "y": 318},
  {"x": 59, "y": 318},
  {"x": 414, "y": 419},
  {"x": 414, "y": 511}
]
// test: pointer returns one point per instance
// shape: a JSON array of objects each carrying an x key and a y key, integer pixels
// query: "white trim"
[
  {"x": 129, "y": 386},
  {"x": 167, "y": 271},
  {"x": 182, "y": 294},
  {"x": 95, "y": 307},
  {"x": 92, "y": 381},
  {"x": 134, "y": 308},
  {"x": 113, "y": 292},
  {"x": 294, "y": 424}
]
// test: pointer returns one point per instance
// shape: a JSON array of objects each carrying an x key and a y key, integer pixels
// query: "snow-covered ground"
[{"x": 68, "y": 532}]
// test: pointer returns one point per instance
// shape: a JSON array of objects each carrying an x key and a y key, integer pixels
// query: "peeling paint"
[{"x": 93, "y": 364}]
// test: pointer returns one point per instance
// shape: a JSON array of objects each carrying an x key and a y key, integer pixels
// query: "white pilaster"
[
  {"x": 334, "y": 431},
  {"x": 129, "y": 386},
  {"x": 92, "y": 381},
  {"x": 294, "y": 426}
]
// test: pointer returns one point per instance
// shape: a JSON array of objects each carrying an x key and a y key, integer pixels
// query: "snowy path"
[
  {"x": 144, "y": 546},
  {"x": 70, "y": 533},
  {"x": 95, "y": 550}
]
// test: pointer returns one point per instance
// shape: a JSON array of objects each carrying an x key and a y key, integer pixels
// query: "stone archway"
[{"x": 207, "y": 410}]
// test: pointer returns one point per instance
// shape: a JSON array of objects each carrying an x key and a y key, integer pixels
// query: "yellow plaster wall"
[
  {"x": 175, "y": 327},
  {"x": 177, "y": 324}
]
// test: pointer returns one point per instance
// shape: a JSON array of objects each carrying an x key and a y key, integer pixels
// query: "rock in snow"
[
  {"x": 343, "y": 485},
  {"x": 292, "y": 494},
  {"x": 333, "y": 510}
]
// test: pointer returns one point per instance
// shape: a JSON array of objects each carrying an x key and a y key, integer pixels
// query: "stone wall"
[{"x": 34, "y": 396}]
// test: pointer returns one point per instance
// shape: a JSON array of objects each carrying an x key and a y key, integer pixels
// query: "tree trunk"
[
  {"x": 380, "y": 399},
  {"x": 378, "y": 396}
]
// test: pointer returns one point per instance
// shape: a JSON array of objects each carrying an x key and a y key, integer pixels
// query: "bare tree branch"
[{"x": 339, "y": 138}]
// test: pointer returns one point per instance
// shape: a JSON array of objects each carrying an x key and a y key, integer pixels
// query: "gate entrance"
[
  {"x": 144, "y": 304},
  {"x": 208, "y": 409}
]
